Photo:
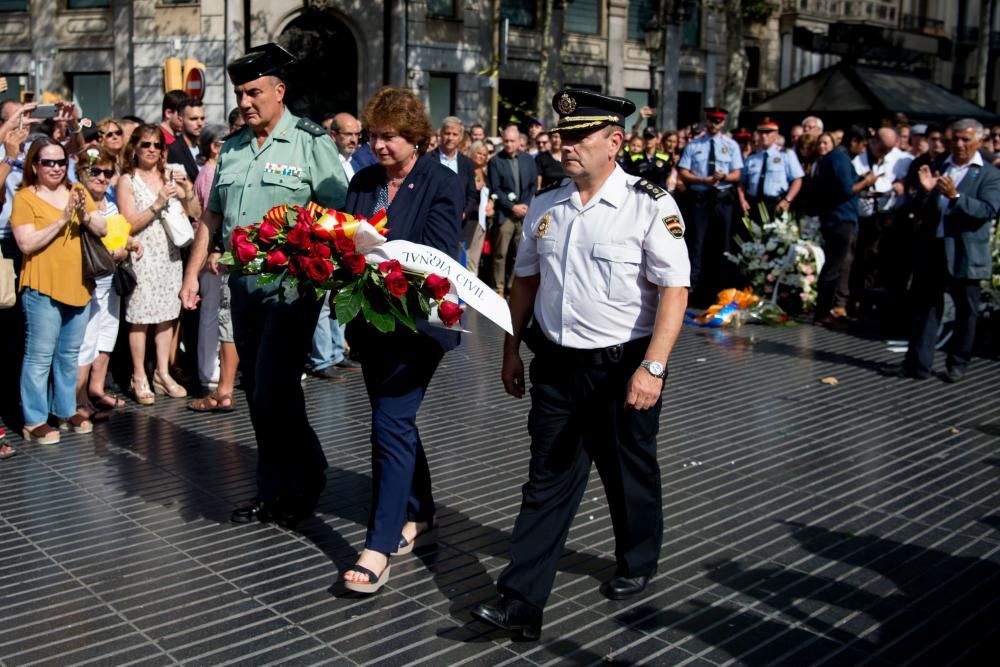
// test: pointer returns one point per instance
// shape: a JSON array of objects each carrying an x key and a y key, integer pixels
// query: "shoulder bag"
[
  {"x": 97, "y": 261},
  {"x": 8, "y": 283},
  {"x": 177, "y": 225}
]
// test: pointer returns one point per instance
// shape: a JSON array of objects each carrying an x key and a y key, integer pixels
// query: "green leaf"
[
  {"x": 402, "y": 314},
  {"x": 227, "y": 258},
  {"x": 347, "y": 303},
  {"x": 425, "y": 305},
  {"x": 268, "y": 278},
  {"x": 384, "y": 322}
]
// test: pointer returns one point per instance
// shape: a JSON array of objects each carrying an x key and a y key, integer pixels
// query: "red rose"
[
  {"x": 303, "y": 216},
  {"x": 297, "y": 265},
  {"x": 245, "y": 251},
  {"x": 321, "y": 250},
  {"x": 344, "y": 245},
  {"x": 319, "y": 270},
  {"x": 437, "y": 286},
  {"x": 354, "y": 262},
  {"x": 268, "y": 232},
  {"x": 396, "y": 283},
  {"x": 391, "y": 266},
  {"x": 276, "y": 258},
  {"x": 239, "y": 233},
  {"x": 449, "y": 312},
  {"x": 300, "y": 237}
]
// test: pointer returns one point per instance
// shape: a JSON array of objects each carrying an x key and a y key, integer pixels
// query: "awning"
[{"x": 852, "y": 93}]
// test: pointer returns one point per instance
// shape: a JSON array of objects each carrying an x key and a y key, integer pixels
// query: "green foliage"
[{"x": 758, "y": 11}]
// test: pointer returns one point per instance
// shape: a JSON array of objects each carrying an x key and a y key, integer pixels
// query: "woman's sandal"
[
  {"x": 6, "y": 451},
  {"x": 375, "y": 581},
  {"x": 107, "y": 402},
  {"x": 168, "y": 386},
  {"x": 143, "y": 394},
  {"x": 213, "y": 403},
  {"x": 424, "y": 538},
  {"x": 77, "y": 423}
]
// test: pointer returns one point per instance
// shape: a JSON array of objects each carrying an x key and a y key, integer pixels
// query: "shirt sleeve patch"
[{"x": 674, "y": 226}]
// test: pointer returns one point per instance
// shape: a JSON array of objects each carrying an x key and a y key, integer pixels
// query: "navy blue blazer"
[
  {"x": 968, "y": 221},
  {"x": 500, "y": 178},
  {"x": 427, "y": 210},
  {"x": 467, "y": 174}
]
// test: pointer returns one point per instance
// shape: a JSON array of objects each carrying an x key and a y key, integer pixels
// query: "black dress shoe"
[
  {"x": 621, "y": 588},
  {"x": 953, "y": 375},
  {"x": 902, "y": 371},
  {"x": 257, "y": 510},
  {"x": 521, "y": 618}
]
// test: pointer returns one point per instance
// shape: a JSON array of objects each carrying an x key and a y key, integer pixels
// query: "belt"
[
  {"x": 543, "y": 347},
  {"x": 701, "y": 195}
]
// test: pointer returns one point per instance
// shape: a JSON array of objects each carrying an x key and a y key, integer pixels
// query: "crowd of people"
[{"x": 652, "y": 215}]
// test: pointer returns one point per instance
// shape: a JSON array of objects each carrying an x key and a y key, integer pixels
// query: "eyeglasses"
[
  {"x": 158, "y": 145},
  {"x": 112, "y": 133},
  {"x": 52, "y": 164},
  {"x": 95, "y": 172}
]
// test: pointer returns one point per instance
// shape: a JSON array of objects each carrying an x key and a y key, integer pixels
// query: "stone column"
[
  {"x": 43, "y": 46},
  {"x": 123, "y": 74},
  {"x": 617, "y": 34}
]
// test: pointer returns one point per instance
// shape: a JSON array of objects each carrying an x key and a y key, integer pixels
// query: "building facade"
[{"x": 108, "y": 55}]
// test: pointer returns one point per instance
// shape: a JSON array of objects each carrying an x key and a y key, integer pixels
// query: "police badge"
[
  {"x": 543, "y": 226},
  {"x": 674, "y": 226},
  {"x": 566, "y": 104}
]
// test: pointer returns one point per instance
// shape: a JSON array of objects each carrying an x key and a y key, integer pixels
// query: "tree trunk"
[
  {"x": 541, "y": 103},
  {"x": 983, "y": 49},
  {"x": 737, "y": 64}
]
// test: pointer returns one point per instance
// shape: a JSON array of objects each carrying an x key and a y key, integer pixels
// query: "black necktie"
[
  {"x": 763, "y": 175},
  {"x": 711, "y": 157}
]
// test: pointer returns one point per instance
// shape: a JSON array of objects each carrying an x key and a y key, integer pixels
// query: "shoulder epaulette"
[
  {"x": 310, "y": 127},
  {"x": 552, "y": 186},
  {"x": 234, "y": 133},
  {"x": 663, "y": 156},
  {"x": 650, "y": 188},
  {"x": 637, "y": 156}
]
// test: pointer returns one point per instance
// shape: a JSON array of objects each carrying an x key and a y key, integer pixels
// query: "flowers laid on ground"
[
  {"x": 781, "y": 260},
  {"x": 310, "y": 248},
  {"x": 735, "y": 307},
  {"x": 991, "y": 287}
]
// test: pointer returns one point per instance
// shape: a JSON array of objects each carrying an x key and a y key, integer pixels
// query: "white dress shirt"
[
  {"x": 601, "y": 264},
  {"x": 345, "y": 162}
]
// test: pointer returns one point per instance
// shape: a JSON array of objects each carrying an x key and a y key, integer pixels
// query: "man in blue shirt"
[
  {"x": 837, "y": 187},
  {"x": 710, "y": 167},
  {"x": 772, "y": 176}
]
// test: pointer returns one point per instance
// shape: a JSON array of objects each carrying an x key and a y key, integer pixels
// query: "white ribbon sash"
[{"x": 424, "y": 259}]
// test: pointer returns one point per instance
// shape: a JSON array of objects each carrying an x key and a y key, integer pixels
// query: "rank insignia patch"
[
  {"x": 725, "y": 150},
  {"x": 777, "y": 160},
  {"x": 543, "y": 226},
  {"x": 674, "y": 226}
]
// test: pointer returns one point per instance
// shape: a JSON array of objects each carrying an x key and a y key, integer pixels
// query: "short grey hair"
[
  {"x": 819, "y": 122},
  {"x": 452, "y": 121},
  {"x": 969, "y": 124}
]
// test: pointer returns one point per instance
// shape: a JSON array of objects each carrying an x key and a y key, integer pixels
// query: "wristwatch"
[{"x": 655, "y": 368}]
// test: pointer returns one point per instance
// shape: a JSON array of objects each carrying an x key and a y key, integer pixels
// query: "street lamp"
[{"x": 653, "y": 36}]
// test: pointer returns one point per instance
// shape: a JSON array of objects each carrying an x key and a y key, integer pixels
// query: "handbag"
[
  {"x": 124, "y": 280},
  {"x": 8, "y": 283},
  {"x": 97, "y": 261},
  {"x": 177, "y": 225}
]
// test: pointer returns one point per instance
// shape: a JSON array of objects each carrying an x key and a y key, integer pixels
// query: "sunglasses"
[
  {"x": 52, "y": 164},
  {"x": 95, "y": 172},
  {"x": 112, "y": 133},
  {"x": 158, "y": 145}
]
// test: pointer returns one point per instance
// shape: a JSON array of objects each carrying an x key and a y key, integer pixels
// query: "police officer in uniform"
[
  {"x": 277, "y": 158},
  {"x": 604, "y": 271},
  {"x": 654, "y": 168},
  {"x": 710, "y": 167},
  {"x": 771, "y": 176}
]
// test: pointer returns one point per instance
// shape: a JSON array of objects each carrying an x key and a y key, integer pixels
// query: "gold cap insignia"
[{"x": 566, "y": 104}]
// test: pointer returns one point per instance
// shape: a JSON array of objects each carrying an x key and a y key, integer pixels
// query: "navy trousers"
[
  {"x": 273, "y": 338},
  {"x": 577, "y": 417},
  {"x": 927, "y": 300},
  {"x": 708, "y": 234},
  {"x": 397, "y": 370}
]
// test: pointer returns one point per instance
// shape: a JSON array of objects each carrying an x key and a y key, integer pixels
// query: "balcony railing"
[{"x": 882, "y": 12}]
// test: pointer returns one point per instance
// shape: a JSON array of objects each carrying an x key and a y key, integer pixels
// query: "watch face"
[{"x": 656, "y": 368}]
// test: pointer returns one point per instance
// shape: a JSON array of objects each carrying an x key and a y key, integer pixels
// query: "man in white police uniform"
[{"x": 603, "y": 268}]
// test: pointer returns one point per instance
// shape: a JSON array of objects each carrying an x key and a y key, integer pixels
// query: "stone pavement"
[{"x": 805, "y": 524}]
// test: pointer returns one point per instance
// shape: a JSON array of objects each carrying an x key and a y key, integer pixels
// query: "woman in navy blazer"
[{"x": 423, "y": 200}]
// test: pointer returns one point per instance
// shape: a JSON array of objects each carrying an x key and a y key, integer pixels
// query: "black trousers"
[
  {"x": 833, "y": 287},
  {"x": 578, "y": 417},
  {"x": 273, "y": 338},
  {"x": 709, "y": 233},
  {"x": 927, "y": 292}
]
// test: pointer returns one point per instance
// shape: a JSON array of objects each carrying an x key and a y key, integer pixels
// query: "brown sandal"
[{"x": 212, "y": 403}]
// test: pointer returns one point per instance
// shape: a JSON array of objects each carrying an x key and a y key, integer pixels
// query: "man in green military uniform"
[{"x": 277, "y": 158}]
